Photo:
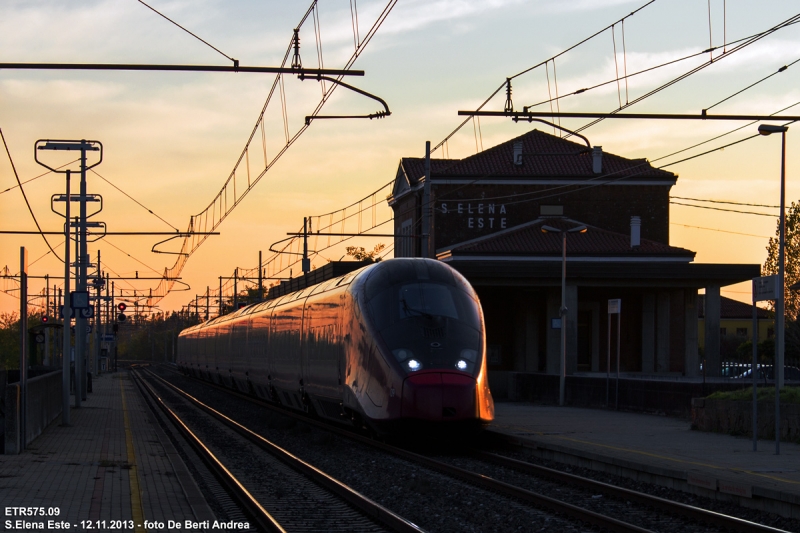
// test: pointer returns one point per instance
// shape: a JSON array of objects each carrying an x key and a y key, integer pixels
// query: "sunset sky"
[{"x": 171, "y": 139}]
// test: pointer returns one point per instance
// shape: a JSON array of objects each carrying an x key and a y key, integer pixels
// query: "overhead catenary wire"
[
  {"x": 137, "y": 202},
  {"x": 537, "y": 65},
  {"x": 791, "y": 20},
  {"x": 208, "y": 217},
  {"x": 37, "y": 177},
  {"x": 782, "y": 69},
  {"x": 25, "y": 196},
  {"x": 106, "y": 241},
  {"x": 235, "y": 62}
]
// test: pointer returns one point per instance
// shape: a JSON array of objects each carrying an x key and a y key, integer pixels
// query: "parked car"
[{"x": 767, "y": 372}]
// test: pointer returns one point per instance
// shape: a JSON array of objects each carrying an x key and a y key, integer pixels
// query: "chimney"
[
  {"x": 636, "y": 231},
  {"x": 597, "y": 159},
  {"x": 518, "y": 153}
]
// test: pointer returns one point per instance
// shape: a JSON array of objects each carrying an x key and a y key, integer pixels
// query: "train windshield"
[
  {"x": 429, "y": 301},
  {"x": 429, "y": 325}
]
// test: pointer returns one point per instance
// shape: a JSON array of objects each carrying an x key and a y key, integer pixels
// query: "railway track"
[
  {"x": 599, "y": 504},
  {"x": 275, "y": 498}
]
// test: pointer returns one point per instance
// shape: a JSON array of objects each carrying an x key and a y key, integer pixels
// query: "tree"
[
  {"x": 360, "y": 254},
  {"x": 792, "y": 261}
]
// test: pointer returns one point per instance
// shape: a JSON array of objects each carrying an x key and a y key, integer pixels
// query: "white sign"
[
  {"x": 490, "y": 216},
  {"x": 766, "y": 288},
  {"x": 614, "y": 306}
]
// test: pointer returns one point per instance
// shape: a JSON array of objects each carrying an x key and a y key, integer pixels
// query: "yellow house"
[{"x": 736, "y": 321}]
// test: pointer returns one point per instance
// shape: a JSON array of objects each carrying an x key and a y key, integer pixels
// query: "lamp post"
[
  {"x": 768, "y": 129},
  {"x": 563, "y": 310}
]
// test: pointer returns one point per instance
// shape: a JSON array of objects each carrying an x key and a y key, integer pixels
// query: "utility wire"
[
  {"x": 129, "y": 255},
  {"x": 720, "y": 230},
  {"x": 44, "y": 255},
  {"x": 37, "y": 177},
  {"x": 754, "y": 84},
  {"x": 105, "y": 265},
  {"x": 723, "y": 202},
  {"x": 140, "y": 204},
  {"x": 545, "y": 62},
  {"x": 723, "y": 209},
  {"x": 19, "y": 183},
  {"x": 720, "y": 136},
  {"x": 790, "y": 21},
  {"x": 187, "y": 31}
]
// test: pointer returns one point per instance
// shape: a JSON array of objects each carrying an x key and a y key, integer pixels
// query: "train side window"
[{"x": 346, "y": 280}]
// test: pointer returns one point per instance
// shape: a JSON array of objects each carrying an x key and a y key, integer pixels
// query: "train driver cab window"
[{"x": 426, "y": 299}]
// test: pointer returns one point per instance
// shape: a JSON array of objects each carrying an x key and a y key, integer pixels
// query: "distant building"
[
  {"x": 736, "y": 321},
  {"x": 487, "y": 215}
]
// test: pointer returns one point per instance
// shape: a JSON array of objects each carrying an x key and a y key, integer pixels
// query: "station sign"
[
  {"x": 766, "y": 288},
  {"x": 614, "y": 306}
]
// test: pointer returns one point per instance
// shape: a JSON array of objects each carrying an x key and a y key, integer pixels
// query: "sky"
[{"x": 171, "y": 139}]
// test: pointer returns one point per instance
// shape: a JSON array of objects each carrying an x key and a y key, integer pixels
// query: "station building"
[{"x": 498, "y": 217}]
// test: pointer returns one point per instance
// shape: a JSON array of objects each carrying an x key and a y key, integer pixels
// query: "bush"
[
  {"x": 766, "y": 351},
  {"x": 788, "y": 394}
]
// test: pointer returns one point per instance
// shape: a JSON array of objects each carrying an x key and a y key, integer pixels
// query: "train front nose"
[{"x": 439, "y": 396}]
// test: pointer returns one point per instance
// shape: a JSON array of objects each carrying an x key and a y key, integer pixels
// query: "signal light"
[
  {"x": 45, "y": 319},
  {"x": 121, "y": 306},
  {"x": 121, "y": 317}
]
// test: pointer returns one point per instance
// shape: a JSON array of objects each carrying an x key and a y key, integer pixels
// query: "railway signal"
[{"x": 121, "y": 316}]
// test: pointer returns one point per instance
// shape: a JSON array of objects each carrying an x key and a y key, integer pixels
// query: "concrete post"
[
  {"x": 711, "y": 354},
  {"x": 691, "y": 366},
  {"x": 572, "y": 329},
  {"x": 662, "y": 331},
  {"x": 648, "y": 333},
  {"x": 553, "y": 336}
]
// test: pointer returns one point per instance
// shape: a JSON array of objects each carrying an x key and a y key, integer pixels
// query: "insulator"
[
  {"x": 509, "y": 108},
  {"x": 296, "y": 62}
]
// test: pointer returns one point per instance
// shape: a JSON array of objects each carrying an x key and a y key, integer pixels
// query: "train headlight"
[
  {"x": 401, "y": 354},
  {"x": 461, "y": 365},
  {"x": 413, "y": 365},
  {"x": 469, "y": 355}
]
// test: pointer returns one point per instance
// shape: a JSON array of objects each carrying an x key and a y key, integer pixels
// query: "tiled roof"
[
  {"x": 544, "y": 155},
  {"x": 529, "y": 240},
  {"x": 732, "y": 309}
]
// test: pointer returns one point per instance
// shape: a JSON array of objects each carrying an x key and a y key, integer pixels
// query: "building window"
[
  {"x": 406, "y": 240},
  {"x": 741, "y": 332},
  {"x": 723, "y": 331}
]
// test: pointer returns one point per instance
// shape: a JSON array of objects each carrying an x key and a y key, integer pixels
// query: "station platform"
[
  {"x": 112, "y": 468},
  {"x": 661, "y": 450}
]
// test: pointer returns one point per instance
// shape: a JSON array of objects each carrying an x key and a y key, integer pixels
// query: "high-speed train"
[{"x": 396, "y": 344}]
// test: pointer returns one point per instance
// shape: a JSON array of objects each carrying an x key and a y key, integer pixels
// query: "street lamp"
[
  {"x": 767, "y": 129},
  {"x": 563, "y": 310}
]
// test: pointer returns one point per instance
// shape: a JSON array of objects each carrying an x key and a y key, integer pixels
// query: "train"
[{"x": 394, "y": 347}]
